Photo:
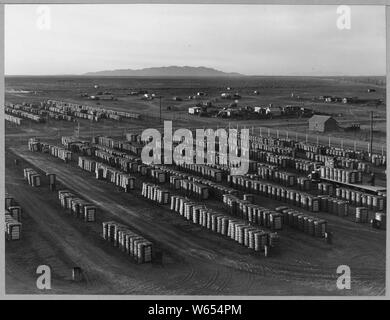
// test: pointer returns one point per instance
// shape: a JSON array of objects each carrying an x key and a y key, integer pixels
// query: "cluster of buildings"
[
  {"x": 233, "y": 110},
  {"x": 346, "y": 100},
  {"x": 338, "y": 99}
]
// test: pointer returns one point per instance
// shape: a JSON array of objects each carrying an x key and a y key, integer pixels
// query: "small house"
[
  {"x": 194, "y": 110},
  {"x": 320, "y": 123}
]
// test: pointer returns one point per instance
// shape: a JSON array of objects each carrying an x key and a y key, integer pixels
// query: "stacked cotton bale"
[
  {"x": 362, "y": 199},
  {"x": 133, "y": 244},
  {"x": 303, "y": 222},
  {"x": 34, "y": 144},
  {"x": 155, "y": 193},
  {"x": 204, "y": 170},
  {"x": 12, "y": 208},
  {"x": 378, "y": 160},
  {"x": 236, "y": 229},
  {"x": 379, "y": 220},
  {"x": 23, "y": 114},
  {"x": 361, "y": 215},
  {"x": 189, "y": 188},
  {"x": 268, "y": 172},
  {"x": 159, "y": 176},
  {"x": 13, "y": 227},
  {"x": 117, "y": 177},
  {"x": 277, "y": 192},
  {"x": 253, "y": 213},
  {"x": 304, "y": 183},
  {"x": 216, "y": 189},
  {"x": 341, "y": 175},
  {"x": 58, "y": 152},
  {"x": 76, "y": 206},
  {"x": 32, "y": 177},
  {"x": 15, "y": 212},
  {"x": 13, "y": 119},
  {"x": 334, "y": 206},
  {"x": 325, "y": 188},
  {"x": 87, "y": 164}
]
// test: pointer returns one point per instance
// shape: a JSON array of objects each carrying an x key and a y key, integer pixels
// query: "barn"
[{"x": 322, "y": 123}]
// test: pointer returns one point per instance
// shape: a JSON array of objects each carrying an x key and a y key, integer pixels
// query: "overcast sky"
[{"x": 250, "y": 39}]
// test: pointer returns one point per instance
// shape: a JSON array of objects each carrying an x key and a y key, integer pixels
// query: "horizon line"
[{"x": 195, "y": 76}]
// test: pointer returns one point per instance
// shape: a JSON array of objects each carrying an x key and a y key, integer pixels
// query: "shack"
[{"x": 321, "y": 123}]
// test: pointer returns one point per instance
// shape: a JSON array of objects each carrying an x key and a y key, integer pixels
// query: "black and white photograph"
[{"x": 195, "y": 150}]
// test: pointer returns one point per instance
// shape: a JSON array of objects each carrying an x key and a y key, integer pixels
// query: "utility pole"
[
  {"x": 371, "y": 131},
  {"x": 77, "y": 130},
  {"x": 160, "y": 108}
]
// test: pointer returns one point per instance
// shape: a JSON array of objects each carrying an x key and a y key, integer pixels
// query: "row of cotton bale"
[
  {"x": 333, "y": 205},
  {"x": 116, "y": 152},
  {"x": 105, "y": 141},
  {"x": 203, "y": 170},
  {"x": 189, "y": 188},
  {"x": 217, "y": 190},
  {"x": 378, "y": 160},
  {"x": 268, "y": 172},
  {"x": 238, "y": 230},
  {"x": 303, "y": 222},
  {"x": 135, "y": 148},
  {"x": 158, "y": 176},
  {"x": 12, "y": 227},
  {"x": 78, "y": 207},
  {"x": 55, "y": 151},
  {"x": 34, "y": 145},
  {"x": 24, "y": 114},
  {"x": 80, "y": 111},
  {"x": 87, "y": 164},
  {"x": 125, "y": 114},
  {"x": 358, "y": 198},
  {"x": 255, "y": 214},
  {"x": 270, "y": 141},
  {"x": 76, "y": 145},
  {"x": 268, "y": 148},
  {"x": 325, "y": 188},
  {"x": 57, "y": 113},
  {"x": 155, "y": 193},
  {"x": 341, "y": 175},
  {"x": 347, "y": 154},
  {"x": 285, "y": 162},
  {"x": 18, "y": 121},
  {"x": 58, "y": 152},
  {"x": 12, "y": 208},
  {"x": 346, "y": 163},
  {"x": 277, "y": 192},
  {"x": 117, "y": 177},
  {"x": 105, "y": 172},
  {"x": 32, "y": 177},
  {"x": 125, "y": 164},
  {"x": 56, "y": 116},
  {"x": 133, "y": 244}
]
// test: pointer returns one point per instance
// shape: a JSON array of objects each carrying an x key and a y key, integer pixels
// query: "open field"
[
  {"x": 195, "y": 261},
  {"x": 275, "y": 90}
]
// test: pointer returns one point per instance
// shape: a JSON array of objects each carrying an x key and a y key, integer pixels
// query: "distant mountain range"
[{"x": 171, "y": 71}]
